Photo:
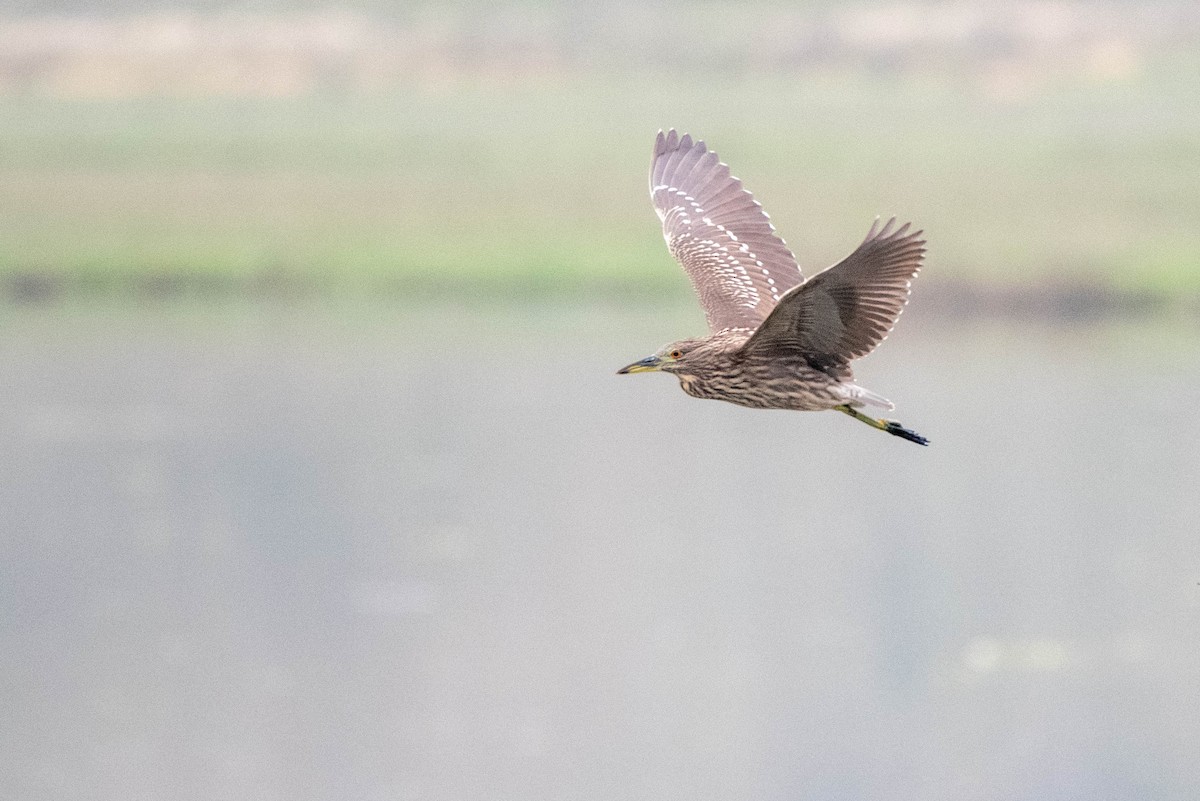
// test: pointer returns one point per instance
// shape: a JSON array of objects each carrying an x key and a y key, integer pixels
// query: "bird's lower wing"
[{"x": 844, "y": 312}]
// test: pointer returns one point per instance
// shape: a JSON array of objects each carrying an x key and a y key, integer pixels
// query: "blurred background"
[{"x": 317, "y": 482}]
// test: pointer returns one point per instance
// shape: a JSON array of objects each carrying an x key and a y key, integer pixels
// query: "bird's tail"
[
  {"x": 891, "y": 426},
  {"x": 865, "y": 397}
]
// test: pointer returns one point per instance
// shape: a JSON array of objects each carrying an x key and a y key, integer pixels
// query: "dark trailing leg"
[{"x": 891, "y": 426}]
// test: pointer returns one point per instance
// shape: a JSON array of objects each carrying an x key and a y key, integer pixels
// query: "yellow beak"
[{"x": 646, "y": 365}]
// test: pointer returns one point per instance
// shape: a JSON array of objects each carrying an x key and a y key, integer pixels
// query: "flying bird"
[{"x": 778, "y": 340}]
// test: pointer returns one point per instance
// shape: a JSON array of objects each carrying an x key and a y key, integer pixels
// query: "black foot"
[{"x": 895, "y": 429}]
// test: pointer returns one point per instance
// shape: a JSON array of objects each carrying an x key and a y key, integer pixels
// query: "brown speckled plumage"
[{"x": 778, "y": 341}]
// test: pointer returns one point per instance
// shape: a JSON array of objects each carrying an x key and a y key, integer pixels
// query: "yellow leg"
[{"x": 891, "y": 426}]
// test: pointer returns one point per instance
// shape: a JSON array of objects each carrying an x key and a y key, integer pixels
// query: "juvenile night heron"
[{"x": 778, "y": 341}]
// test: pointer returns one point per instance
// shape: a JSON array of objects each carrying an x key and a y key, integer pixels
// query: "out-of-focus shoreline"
[
  {"x": 1048, "y": 150},
  {"x": 949, "y": 299}
]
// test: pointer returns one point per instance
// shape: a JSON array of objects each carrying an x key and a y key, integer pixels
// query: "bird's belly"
[{"x": 808, "y": 390}]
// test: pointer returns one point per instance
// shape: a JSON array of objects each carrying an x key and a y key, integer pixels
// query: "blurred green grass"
[{"x": 540, "y": 185}]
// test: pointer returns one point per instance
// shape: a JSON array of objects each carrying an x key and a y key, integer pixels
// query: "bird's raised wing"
[
  {"x": 842, "y": 313},
  {"x": 719, "y": 233}
]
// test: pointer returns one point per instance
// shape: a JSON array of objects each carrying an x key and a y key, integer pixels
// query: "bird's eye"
[{"x": 676, "y": 354}]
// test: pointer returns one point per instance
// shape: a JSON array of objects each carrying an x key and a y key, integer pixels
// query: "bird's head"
[{"x": 673, "y": 358}]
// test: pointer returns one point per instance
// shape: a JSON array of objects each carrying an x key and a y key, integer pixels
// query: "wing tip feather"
[
  {"x": 670, "y": 139},
  {"x": 660, "y": 142}
]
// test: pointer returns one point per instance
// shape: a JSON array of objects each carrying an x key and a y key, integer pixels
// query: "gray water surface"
[{"x": 444, "y": 554}]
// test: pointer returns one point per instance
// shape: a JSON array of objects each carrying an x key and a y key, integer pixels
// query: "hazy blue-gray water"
[{"x": 449, "y": 555}]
